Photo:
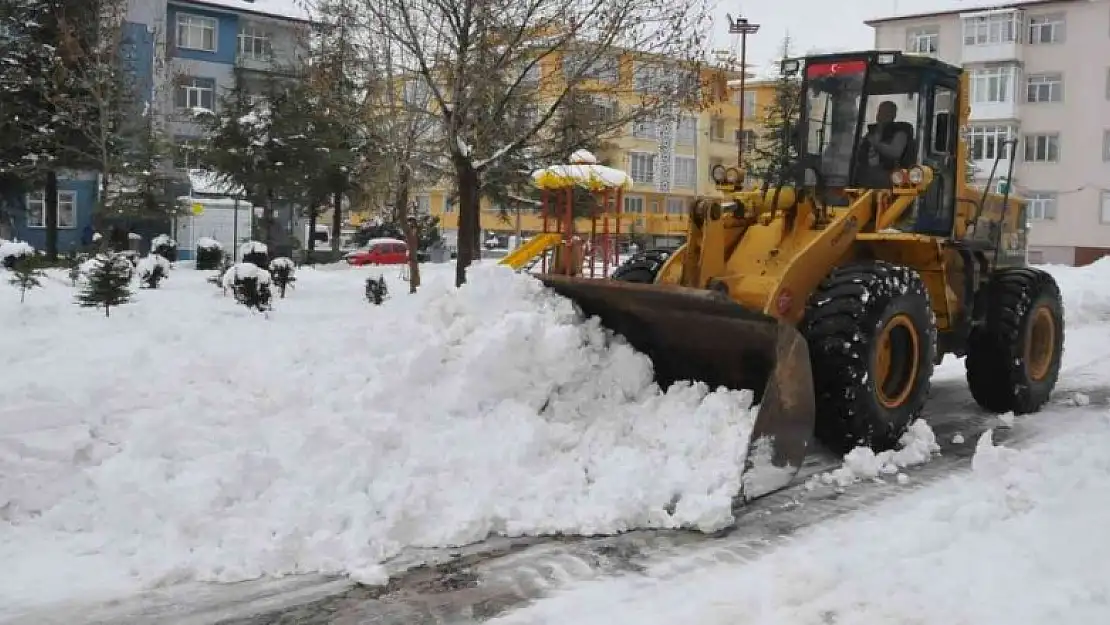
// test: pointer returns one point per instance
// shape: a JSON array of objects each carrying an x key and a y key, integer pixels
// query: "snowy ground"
[
  {"x": 1020, "y": 538},
  {"x": 185, "y": 438}
]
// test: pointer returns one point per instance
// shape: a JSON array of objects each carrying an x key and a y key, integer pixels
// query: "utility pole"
[{"x": 741, "y": 26}]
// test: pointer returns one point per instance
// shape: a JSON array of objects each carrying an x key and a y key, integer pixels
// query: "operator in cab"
[{"x": 888, "y": 145}]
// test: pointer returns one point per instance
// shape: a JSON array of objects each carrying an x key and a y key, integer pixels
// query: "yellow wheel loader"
[{"x": 833, "y": 292}]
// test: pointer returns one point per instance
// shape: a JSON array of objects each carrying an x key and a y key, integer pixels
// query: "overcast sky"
[{"x": 827, "y": 25}]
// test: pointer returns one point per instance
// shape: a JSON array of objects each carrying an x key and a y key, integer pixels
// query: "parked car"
[{"x": 379, "y": 252}]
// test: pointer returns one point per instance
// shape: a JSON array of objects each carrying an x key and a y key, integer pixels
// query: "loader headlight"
[
  {"x": 718, "y": 173},
  {"x": 898, "y": 177},
  {"x": 733, "y": 176},
  {"x": 916, "y": 175}
]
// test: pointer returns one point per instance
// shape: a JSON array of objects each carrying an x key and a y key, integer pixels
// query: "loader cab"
[{"x": 865, "y": 115}]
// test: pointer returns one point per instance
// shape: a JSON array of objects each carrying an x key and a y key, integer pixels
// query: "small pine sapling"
[
  {"x": 164, "y": 246},
  {"x": 107, "y": 282},
  {"x": 250, "y": 285},
  {"x": 281, "y": 272},
  {"x": 210, "y": 254},
  {"x": 26, "y": 275},
  {"x": 152, "y": 270},
  {"x": 376, "y": 290},
  {"x": 256, "y": 253},
  {"x": 221, "y": 271}
]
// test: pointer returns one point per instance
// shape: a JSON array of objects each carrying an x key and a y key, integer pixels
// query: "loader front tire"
[
  {"x": 872, "y": 340},
  {"x": 643, "y": 267},
  {"x": 1013, "y": 356}
]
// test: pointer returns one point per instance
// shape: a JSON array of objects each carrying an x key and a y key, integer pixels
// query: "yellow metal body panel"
[{"x": 532, "y": 248}]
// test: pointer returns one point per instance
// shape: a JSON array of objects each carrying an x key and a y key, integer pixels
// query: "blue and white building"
[{"x": 184, "y": 55}]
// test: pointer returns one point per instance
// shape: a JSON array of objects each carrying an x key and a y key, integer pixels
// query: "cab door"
[{"x": 939, "y": 152}]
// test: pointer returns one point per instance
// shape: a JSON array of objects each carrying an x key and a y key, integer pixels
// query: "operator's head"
[{"x": 887, "y": 112}]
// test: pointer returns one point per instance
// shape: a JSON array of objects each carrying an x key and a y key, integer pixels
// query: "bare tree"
[{"x": 478, "y": 59}]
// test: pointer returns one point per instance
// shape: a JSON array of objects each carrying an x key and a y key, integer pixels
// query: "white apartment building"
[{"x": 1039, "y": 72}]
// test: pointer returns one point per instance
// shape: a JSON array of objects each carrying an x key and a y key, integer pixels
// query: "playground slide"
[{"x": 519, "y": 258}]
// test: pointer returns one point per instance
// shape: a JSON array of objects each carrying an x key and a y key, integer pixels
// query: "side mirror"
[{"x": 941, "y": 132}]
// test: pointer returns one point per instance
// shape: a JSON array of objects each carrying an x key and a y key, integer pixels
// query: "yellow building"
[{"x": 701, "y": 138}]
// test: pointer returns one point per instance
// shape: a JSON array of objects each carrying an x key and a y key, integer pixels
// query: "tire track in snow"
[{"x": 479, "y": 586}]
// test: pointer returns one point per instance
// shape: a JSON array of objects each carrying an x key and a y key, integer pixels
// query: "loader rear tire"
[
  {"x": 1013, "y": 357},
  {"x": 643, "y": 267},
  {"x": 872, "y": 341}
]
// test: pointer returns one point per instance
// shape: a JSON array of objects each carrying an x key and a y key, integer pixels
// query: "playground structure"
[{"x": 571, "y": 253}]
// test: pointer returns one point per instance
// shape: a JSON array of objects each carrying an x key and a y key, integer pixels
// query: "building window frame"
[
  {"x": 67, "y": 209},
  {"x": 923, "y": 40},
  {"x": 1106, "y": 145},
  {"x": 195, "y": 92},
  {"x": 1041, "y": 205},
  {"x": 641, "y": 166},
  {"x": 675, "y": 206},
  {"x": 984, "y": 141},
  {"x": 254, "y": 43},
  {"x": 993, "y": 85},
  {"x": 1047, "y": 28},
  {"x": 1042, "y": 147},
  {"x": 634, "y": 204},
  {"x": 205, "y": 29},
  {"x": 994, "y": 29},
  {"x": 1104, "y": 207},
  {"x": 1044, "y": 88},
  {"x": 686, "y": 175}
]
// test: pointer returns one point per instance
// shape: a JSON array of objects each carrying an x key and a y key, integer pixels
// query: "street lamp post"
[{"x": 741, "y": 26}]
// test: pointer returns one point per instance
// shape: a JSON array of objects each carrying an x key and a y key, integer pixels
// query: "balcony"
[
  {"x": 983, "y": 169},
  {"x": 985, "y": 111},
  {"x": 993, "y": 36}
]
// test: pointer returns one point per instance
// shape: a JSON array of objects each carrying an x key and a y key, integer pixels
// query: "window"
[
  {"x": 448, "y": 205},
  {"x": 195, "y": 32},
  {"x": 749, "y": 103},
  {"x": 648, "y": 78},
  {"x": 1108, "y": 83},
  {"x": 423, "y": 205},
  {"x": 1046, "y": 28},
  {"x": 992, "y": 29},
  {"x": 993, "y": 84},
  {"x": 1042, "y": 148},
  {"x": 634, "y": 204},
  {"x": 987, "y": 142},
  {"x": 645, "y": 129},
  {"x": 1040, "y": 205},
  {"x": 642, "y": 167},
  {"x": 747, "y": 141},
  {"x": 1106, "y": 146},
  {"x": 717, "y": 129},
  {"x": 531, "y": 75},
  {"x": 685, "y": 171},
  {"x": 416, "y": 93},
  {"x": 604, "y": 68},
  {"x": 923, "y": 40},
  {"x": 67, "y": 209},
  {"x": 1104, "y": 212},
  {"x": 196, "y": 92},
  {"x": 254, "y": 43},
  {"x": 1044, "y": 88},
  {"x": 676, "y": 206},
  {"x": 687, "y": 132}
]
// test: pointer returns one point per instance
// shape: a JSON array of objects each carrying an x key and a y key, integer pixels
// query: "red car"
[{"x": 380, "y": 252}]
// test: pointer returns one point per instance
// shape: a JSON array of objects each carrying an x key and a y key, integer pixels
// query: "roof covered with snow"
[
  {"x": 286, "y": 9},
  {"x": 951, "y": 7}
]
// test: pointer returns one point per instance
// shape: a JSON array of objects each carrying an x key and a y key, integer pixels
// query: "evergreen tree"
[
  {"x": 152, "y": 269},
  {"x": 250, "y": 285},
  {"x": 26, "y": 275},
  {"x": 107, "y": 284},
  {"x": 376, "y": 290},
  {"x": 776, "y": 151}
]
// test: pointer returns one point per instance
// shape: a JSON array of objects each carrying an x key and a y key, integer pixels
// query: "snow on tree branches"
[
  {"x": 107, "y": 282},
  {"x": 250, "y": 285}
]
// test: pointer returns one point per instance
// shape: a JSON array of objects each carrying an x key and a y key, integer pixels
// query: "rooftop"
[
  {"x": 284, "y": 9},
  {"x": 964, "y": 6}
]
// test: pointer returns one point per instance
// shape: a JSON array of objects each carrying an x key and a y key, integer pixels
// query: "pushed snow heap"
[{"x": 458, "y": 413}]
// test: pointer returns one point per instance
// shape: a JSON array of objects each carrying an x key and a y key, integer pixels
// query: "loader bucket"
[{"x": 700, "y": 335}]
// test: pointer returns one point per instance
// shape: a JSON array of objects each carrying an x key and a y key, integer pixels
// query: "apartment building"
[
  {"x": 1039, "y": 73},
  {"x": 668, "y": 160}
]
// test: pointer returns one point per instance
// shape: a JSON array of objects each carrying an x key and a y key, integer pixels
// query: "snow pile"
[
  {"x": 1019, "y": 539},
  {"x": 14, "y": 249},
  {"x": 329, "y": 440},
  {"x": 208, "y": 243},
  {"x": 1086, "y": 298},
  {"x": 245, "y": 271},
  {"x": 917, "y": 446},
  {"x": 253, "y": 247}
]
